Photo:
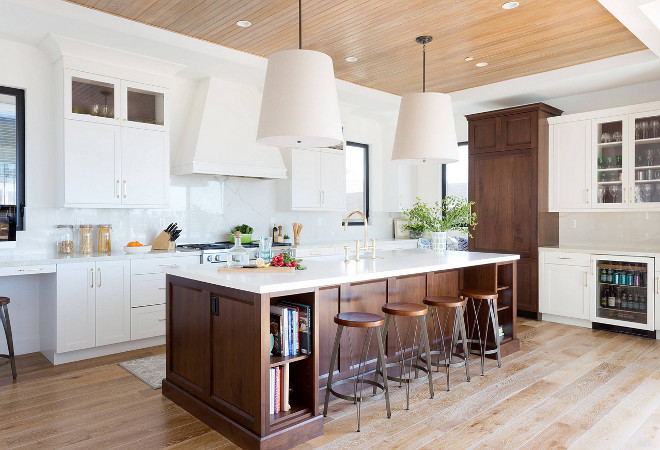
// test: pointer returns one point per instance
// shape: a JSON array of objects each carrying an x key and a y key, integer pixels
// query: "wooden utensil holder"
[{"x": 162, "y": 242}]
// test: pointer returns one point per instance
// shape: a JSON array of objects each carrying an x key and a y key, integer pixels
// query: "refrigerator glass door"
[{"x": 624, "y": 293}]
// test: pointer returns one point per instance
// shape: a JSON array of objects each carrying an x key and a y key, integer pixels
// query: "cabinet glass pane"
[
  {"x": 622, "y": 290},
  {"x": 610, "y": 162},
  {"x": 92, "y": 97},
  {"x": 145, "y": 106},
  {"x": 647, "y": 160}
]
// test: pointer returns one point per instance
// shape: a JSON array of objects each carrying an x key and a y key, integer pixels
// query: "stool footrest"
[
  {"x": 411, "y": 379},
  {"x": 444, "y": 363},
  {"x": 360, "y": 398}
]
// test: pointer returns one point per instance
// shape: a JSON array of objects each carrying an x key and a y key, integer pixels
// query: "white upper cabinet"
[
  {"x": 115, "y": 142},
  {"x": 316, "y": 180},
  {"x": 622, "y": 171},
  {"x": 570, "y": 165}
]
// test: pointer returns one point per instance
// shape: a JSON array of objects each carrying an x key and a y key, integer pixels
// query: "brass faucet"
[{"x": 365, "y": 247}]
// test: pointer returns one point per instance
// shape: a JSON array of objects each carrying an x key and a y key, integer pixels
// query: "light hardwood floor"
[{"x": 567, "y": 387}]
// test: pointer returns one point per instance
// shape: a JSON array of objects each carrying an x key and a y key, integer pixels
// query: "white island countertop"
[{"x": 332, "y": 270}]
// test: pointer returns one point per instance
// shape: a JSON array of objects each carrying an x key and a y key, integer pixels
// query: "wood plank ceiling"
[{"x": 538, "y": 36}]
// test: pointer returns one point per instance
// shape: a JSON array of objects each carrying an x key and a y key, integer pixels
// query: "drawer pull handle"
[
  {"x": 586, "y": 275},
  {"x": 162, "y": 320},
  {"x": 565, "y": 257},
  {"x": 99, "y": 277},
  {"x": 315, "y": 254},
  {"x": 31, "y": 270},
  {"x": 168, "y": 265},
  {"x": 91, "y": 271},
  {"x": 162, "y": 289}
]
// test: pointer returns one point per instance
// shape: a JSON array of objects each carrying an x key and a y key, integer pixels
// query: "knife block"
[{"x": 162, "y": 242}]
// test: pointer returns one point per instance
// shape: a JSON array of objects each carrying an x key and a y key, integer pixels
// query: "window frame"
[
  {"x": 19, "y": 94},
  {"x": 366, "y": 182},
  {"x": 443, "y": 185}
]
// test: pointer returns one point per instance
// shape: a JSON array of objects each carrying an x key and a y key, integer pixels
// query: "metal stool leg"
[
  {"x": 384, "y": 337},
  {"x": 463, "y": 333},
  {"x": 381, "y": 357},
  {"x": 496, "y": 329},
  {"x": 335, "y": 347},
  {"x": 4, "y": 317},
  {"x": 427, "y": 349}
]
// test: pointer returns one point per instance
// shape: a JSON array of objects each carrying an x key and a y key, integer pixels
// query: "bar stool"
[
  {"x": 4, "y": 318},
  {"x": 411, "y": 310},
  {"x": 485, "y": 347},
  {"x": 372, "y": 322},
  {"x": 458, "y": 329}
]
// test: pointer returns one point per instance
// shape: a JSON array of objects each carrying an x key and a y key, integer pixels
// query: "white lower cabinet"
[
  {"x": 93, "y": 304},
  {"x": 657, "y": 295},
  {"x": 147, "y": 321},
  {"x": 565, "y": 285}
]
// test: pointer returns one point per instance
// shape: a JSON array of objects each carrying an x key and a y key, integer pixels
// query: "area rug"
[{"x": 150, "y": 370}]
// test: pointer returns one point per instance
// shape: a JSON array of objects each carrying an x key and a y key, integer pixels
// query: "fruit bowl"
[{"x": 137, "y": 250}]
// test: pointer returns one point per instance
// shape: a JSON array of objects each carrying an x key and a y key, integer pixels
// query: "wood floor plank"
[{"x": 647, "y": 435}]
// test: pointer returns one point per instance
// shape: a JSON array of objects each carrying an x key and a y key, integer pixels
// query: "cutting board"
[{"x": 263, "y": 270}]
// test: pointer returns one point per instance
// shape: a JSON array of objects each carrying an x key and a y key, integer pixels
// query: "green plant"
[
  {"x": 453, "y": 214},
  {"x": 286, "y": 236},
  {"x": 244, "y": 229}
]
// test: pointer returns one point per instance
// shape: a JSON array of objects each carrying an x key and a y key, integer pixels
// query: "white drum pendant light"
[
  {"x": 425, "y": 131},
  {"x": 299, "y": 107}
]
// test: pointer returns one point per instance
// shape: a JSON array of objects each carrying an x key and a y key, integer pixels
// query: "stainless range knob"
[
  {"x": 217, "y": 258},
  {"x": 209, "y": 258}
]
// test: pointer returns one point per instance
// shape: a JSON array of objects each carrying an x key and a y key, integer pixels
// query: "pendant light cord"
[
  {"x": 424, "y": 69},
  {"x": 299, "y": 24}
]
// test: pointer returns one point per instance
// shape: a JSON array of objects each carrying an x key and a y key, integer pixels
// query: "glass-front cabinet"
[
  {"x": 624, "y": 294},
  {"x": 644, "y": 187},
  {"x": 97, "y": 98},
  {"x": 610, "y": 162}
]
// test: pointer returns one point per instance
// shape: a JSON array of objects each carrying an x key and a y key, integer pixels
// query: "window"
[
  {"x": 357, "y": 180},
  {"x": 455, "y": 175},
  {"x": 12, "y": 162}
]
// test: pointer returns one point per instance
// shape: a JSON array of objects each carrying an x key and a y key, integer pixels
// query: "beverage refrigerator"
[{"x": 624, "y": 295}]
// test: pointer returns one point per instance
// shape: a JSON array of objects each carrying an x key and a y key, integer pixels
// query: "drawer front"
[
  {"x": 157, "y": 265},
  {"x": 312, "y": 252},
  {"x": 568, "y": 259},
  {"x": 147, "y": 289},
  {"x": 148, "y": 321},
  {"x": 27, "y": 270}
]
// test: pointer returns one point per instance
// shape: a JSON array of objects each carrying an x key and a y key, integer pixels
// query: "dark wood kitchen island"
[{"x": 218, "y": 332}]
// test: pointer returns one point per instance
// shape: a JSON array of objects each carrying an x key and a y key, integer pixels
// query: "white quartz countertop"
[
  {"x": 332, "y": 270},
  {"x": 55, "y": 258},
  {"x": 604, "y": 249}
]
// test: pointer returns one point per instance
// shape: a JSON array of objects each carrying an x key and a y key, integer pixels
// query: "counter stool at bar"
[
  {"x": 374, "y": 324},
  {"x": 453, "y": 306},
  {"x": 412, "y": 311},
  {"x": 4, "y": 318},
  {"x": 481, "y": 296}
]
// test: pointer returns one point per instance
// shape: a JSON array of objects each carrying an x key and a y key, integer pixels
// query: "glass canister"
[
  {"x": 65, "y": 239},
  {"x": 86, "y": 239},
  {"x": 104, "y": 245},
  {"x": 238, "y": 256}
]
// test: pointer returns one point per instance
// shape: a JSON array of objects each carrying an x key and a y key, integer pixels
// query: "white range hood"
[{"x": 220, "y": 135}]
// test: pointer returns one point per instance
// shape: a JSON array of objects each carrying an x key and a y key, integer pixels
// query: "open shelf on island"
[
  {"x": 281, "y": 360},
  {"x": 502, "y": 308},
  {"x": 295, "y": 412}
]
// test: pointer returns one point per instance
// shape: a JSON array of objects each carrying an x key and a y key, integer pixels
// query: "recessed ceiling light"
[
  {"x": 469, "y": 58},
  {"x": 510, "y": 5},
  {"x": 351, "y": 58},
  {"x": 482, "y": 64},
  {"x": 243, "y": 23}
]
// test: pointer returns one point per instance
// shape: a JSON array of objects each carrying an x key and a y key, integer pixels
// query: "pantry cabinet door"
[
  {"x": 76, "y": 307},
  {"x": 145, "y": 166},
  {"x": 91, "y": 164},
  {"x": 570, "y": 166},
  {"x": 113, "y": 302},
  {"x": 333, "y": 181},
  {"x": 305, "y": 179}
]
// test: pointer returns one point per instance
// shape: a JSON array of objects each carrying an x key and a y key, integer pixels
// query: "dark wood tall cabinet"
[{"x": 508, "y": 181}]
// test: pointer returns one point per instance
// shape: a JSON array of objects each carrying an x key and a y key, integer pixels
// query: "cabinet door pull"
[
  {"x": 587, "y": 195},
  {"x": 99, "y": 277},
  {"x": 323, "y": 197},
  {"x": 565, "y": 257},
  {"x": 586, "y": 279},
  {"x": 91, "y": 271},
  {"x": 162, "y": 320},
  {"x": 215, "y": 307},
  {"x": 117, "y": 189},
  {"x": 657, "y": 285},
  {"x": 125, "y": 188},
  {"x": 31, "y": 270},
  {"x": 162, "y": 289}
]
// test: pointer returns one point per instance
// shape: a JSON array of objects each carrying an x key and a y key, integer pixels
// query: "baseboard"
[
  {"x": 566, "y": 320},
  {"x": 78, "y": 355}
]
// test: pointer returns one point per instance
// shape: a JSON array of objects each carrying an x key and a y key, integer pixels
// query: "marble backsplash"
[{"x": 206, "y": 208}]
